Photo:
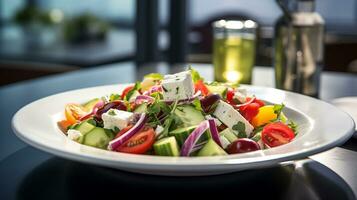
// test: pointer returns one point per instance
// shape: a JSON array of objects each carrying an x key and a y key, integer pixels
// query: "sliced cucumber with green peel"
[
  {"x": 98, "y": 137},
  {"x": 189, "y": 115},
  {"x": 90, "y": 104},
  {"x": 141, "y": 108},
  {"x": 229, "y": 135},
  {"x": 218, "y": 89},
  {"x": 167, "y": 147},
  {"x": 211, "y": 148},
  {"x": 84, "y": 127},
  {"x": 181, "y": 134},
  {"x": 257, "y": 136}
]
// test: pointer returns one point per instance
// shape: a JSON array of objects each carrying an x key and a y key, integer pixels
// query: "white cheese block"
[
  {"x": 177, "y": 86},
  {"x": 230, "y": 117},
  {"x": 73, "y": 134},
  {"x": 116, "y": 118}
]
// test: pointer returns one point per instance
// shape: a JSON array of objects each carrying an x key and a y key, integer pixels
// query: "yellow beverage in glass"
[{"x": 234, "y": 55}]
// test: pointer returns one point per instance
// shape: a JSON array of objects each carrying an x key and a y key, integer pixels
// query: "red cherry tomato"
[
  {"x": 126, "y": 90},
  {"x": 124, "y": 130},
  {"x": 276, "y": 134},
  {"x": 249, "y": 111},
  {"x": 260, "y": 102},
  {"x": 200, "y": 86},
  {"x": 230, "y": 95},
  {"x": 242, "y": 145},
  {"x": 140, "y": 143}
]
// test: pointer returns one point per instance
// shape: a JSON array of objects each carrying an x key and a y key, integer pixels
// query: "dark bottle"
[{"x": 299, "y": 36}]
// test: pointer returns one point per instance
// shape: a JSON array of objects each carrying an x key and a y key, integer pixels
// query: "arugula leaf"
[
  {"x": 166, "y": 125},
  {"x": 278, "y": 108},
  {"x": 224, "y": 84},
  {"x": 195, "y": 75},
  {"x": 155, "y": 76},
  {"x": 293, "y": 126},
  {"x": 116, "y": 129},
  {"x": 240, "y": 128},
  {"x": 111, "y": 112},
  {"x": 197, "y": 104},
  {"x": 114, "y": 97},
  {"x": 136, "y": 87},
  {"x": 224, "y": 94}
]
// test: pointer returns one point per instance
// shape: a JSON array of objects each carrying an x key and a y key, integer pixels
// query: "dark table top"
[{"x": 28, "y": 173}]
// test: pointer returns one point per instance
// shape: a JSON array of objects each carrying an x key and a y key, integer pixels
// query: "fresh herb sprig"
[{"x": 240, "y": 128}]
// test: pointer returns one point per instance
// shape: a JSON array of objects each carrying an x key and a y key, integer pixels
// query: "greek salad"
[{"x": 178, "y": 115}]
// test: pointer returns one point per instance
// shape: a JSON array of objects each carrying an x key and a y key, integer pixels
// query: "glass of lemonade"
[{"x": 234, "y": 50}]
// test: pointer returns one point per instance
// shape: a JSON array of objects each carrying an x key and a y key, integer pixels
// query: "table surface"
[
  {"x": 26, "y": 172},
  {"x": 16, "y": 45}
]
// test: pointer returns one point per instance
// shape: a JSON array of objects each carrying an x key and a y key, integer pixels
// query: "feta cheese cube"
[
  {"x": 73, "y": 134},
  {"x": 240, "y": 95},
  {"x": 177, "y": 86},
  {"x": 116, "y": 118},
  {"x": 230, "y": 117}
]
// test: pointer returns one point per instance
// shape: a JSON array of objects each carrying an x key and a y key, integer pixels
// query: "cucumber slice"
[
  {"x": 228, "y": 134},
  {"x": 218, "y": 89},
  {"x": 84, "y": 127},
  {"x": 88, "y": 106},
  {"x": 167, "y": 147},
  {"x": 258, "y": 138},
  {"x": 141, "y": 108},
  {"x": 211, "y": 148},
  {"x": 189, "y": 115},
  {"x": 181, "y": 134},
  {"x": 98, "y": 137}
]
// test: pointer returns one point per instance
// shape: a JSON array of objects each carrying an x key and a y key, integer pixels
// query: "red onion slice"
[
  {"x": 143, "y": 99},
  {"x": 94, "y": 110},
  {"x": 244, "y": 104},
  {"x": 114, "y": 144},
  {"x": 193, "y": 138},
  {"x": 214, "y": 132}
]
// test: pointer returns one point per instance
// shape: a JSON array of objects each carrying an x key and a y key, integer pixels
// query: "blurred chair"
[{"x": 147, "y": 32}]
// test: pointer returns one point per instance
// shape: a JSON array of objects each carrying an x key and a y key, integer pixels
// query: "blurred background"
[{"x": 42, "y": 37}]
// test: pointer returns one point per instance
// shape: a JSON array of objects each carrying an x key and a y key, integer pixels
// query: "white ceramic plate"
[
  {"x": 321, "y": 127},
  {"x": 349, "y": 105}
]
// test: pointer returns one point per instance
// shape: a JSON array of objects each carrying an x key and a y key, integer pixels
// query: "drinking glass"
[{"x": 234, "y": 44}]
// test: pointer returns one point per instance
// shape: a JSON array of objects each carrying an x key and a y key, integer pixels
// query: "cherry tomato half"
[
  {"x": 63, "y": 125},
  {"x": 249, "y": 111},
  {"x": 230, "y": 95},
  {"x": 126, "y": 90},
  {"x": 276, "y": 134},
  {"x": 74, "y": 112},
  {"x": 258, "y": 101},
  {"x": 200, "y": 86},
  {"x": 124, "y": 130},
  {"x": 140, "y": 143}
]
